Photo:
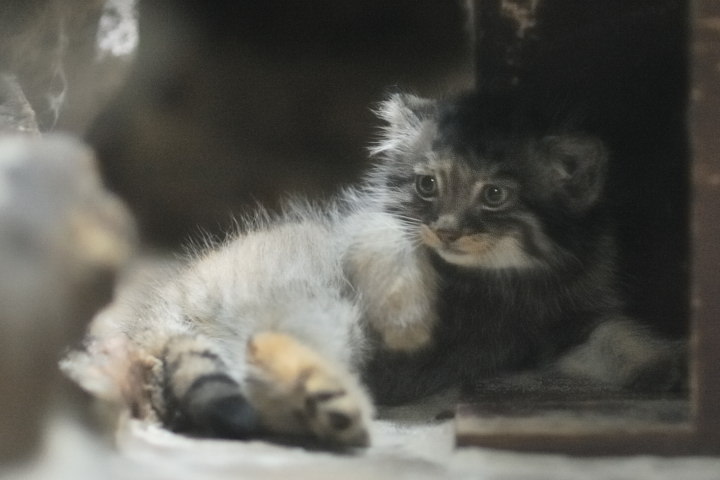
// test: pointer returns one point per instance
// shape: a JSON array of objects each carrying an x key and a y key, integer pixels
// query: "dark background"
[{"x": 233, "y": 102}]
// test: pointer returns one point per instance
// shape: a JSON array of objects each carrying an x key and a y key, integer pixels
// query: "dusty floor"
[
  {"x": 401, "y": 450},
  {"x": 408, "y": 444}
]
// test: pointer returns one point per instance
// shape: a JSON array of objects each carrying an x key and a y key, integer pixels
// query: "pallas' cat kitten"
[
  {"x": 479, "y": 244},
  {"x": 508, "y": 198}
]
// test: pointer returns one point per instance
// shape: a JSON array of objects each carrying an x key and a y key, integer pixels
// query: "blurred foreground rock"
[
  {"x": 63, "y": 237},
  {"x": 66, "y": 56},
  {"x": 16, "y": 114}
]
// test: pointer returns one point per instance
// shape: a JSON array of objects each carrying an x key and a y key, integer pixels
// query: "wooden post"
[{"x": 630, "y": 58}]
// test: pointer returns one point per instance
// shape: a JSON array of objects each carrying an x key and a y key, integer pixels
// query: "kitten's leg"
[
  {"x": 297, "y": 391},
  {"x": 199, "y": 395},
  {"x": 622, "y": 352},
  {"x": 394, "y": 280}
]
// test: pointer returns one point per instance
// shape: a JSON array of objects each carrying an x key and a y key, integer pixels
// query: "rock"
[
  {"x": 66, "y": 56},
  {"x": 62, "y": 239},
  {"x": 16, "y": 114}
]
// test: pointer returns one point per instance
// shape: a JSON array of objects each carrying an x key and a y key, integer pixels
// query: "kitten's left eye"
[
  {"x": 426, "y": 186},
  {"x": 495, "y": 196}
]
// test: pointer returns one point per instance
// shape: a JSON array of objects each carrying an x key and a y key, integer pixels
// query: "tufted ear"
[
  {"x": 407, "y": 117},
  {"x": 575, "y": 169}
]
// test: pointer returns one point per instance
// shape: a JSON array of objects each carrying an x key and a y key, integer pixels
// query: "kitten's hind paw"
[
  {"x": 623, "y": 353},
  {"x": 297, "y": 391},
  {"x": 666, "y": 373}
]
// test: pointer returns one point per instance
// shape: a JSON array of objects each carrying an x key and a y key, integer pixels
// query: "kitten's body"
[
  {"x": 273, "y": 317},
  {"x": 479, "y": 245}
]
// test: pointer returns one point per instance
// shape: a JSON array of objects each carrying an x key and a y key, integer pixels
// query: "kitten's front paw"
[
  {"x": 405, "y": 316},
  {"x": 406, "y": 338},
  {"x": 297, "y": 391},
  {"x": 395, "y": 281}
]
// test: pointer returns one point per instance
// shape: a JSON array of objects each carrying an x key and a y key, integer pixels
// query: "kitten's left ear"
[
  {"x": 406, "y": 116},
  {"x": 576, "y": 169}
]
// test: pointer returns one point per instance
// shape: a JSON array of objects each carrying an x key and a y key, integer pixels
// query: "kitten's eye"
[
  {"x": 495, "y": 196},
  {"x": 426, "y": 186}
]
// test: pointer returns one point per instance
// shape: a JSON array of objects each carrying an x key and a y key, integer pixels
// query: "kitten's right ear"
[
  {"x": 406, "y": 116},
  {"x": 575, "y": 169}
]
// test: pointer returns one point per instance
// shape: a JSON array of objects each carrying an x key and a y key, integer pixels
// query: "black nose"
[{"x": 447, "y": 235}]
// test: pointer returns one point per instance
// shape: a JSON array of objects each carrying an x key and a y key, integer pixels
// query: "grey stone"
[
  {"x": 16, "y": 114},
  {"x": 62, "y": 239}
]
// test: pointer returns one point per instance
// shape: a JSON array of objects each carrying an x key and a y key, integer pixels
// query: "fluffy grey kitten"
[
  {"x": 477, "y": 245},
  {"x": 267, "y": 333}
]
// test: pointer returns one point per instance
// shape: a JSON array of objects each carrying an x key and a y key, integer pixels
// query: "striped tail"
[{"x": 200, "y": 396}]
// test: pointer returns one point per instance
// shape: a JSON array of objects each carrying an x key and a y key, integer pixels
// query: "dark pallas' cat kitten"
[
  {"x": 479, "y": 244},
  {"x": 508, "y": 198}
]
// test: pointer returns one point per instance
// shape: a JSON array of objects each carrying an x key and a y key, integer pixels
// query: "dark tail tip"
[
  {"x": 215, "y": 407},
  {"x": 230, "y": 417}
]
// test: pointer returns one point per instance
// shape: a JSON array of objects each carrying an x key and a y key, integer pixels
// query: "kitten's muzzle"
[
  {"x": 447, "y": 235},
  {"x": 439, "y": 238},
  {"x": 446, "y": 229}
]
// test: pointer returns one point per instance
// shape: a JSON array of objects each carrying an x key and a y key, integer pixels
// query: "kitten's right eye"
[{"x": 426, "y": 186}]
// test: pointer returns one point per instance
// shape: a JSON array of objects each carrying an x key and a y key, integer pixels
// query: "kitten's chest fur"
[
  {"x": 497, "y": 321},
  {"x": 507, "y": 320}
]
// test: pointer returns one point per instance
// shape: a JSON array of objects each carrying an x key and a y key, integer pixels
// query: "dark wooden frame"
[{"x": 701, "y": 433}]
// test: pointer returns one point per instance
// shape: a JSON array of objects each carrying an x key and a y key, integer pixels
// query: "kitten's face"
[
  {"x": 471, "y": 217},
  {"x": 486, "y": 201}
]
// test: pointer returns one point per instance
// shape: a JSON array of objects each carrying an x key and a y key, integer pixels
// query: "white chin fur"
[{"x": 507, "y": 253}]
